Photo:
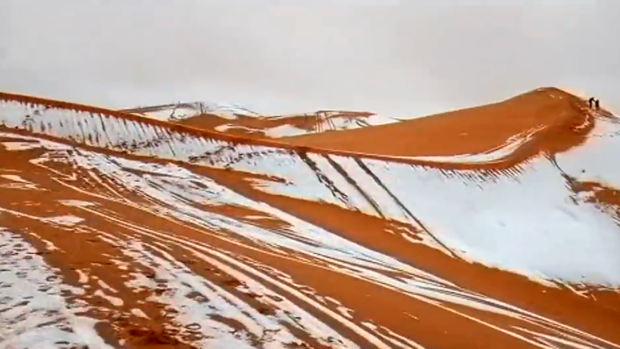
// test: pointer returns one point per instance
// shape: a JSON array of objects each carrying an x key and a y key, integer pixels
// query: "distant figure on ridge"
[
  {"x": 597, "y": 104},
  {"x": 590, "y": 101}
]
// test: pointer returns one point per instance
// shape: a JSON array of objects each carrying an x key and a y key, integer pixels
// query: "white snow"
[
  {"x": 184, "y": 110},
  {"x": 10, "y": 145},
  {"x": 115, "y": 301},
  {"x": 139, "y": 313},
  {"x": 17, "y": 182},
  {"x": 15, "y": 178},
  {"x": 493, "y": 155},
  {"x": 227, "y": 127},
  {"x": 48, "y": 244},
  {"x": 522, "y": 221},
  {"x": 180, "y": 282},
  {"x": 342, "y": 255},
  {"x": 504, "y": 224},
  {"x": 66, "y": 220},
  {"x": 82, "y": 276},
  {"x": 33, "y": 312},
  {"x": 349, "y": 123},
  {"x": 597, "y": 160},
  {"x": 105, "y": 286},
  {"x": 493, "y": 219},
  {"x": 284, "y": 131},
  {"x": 76, "y": 203}
]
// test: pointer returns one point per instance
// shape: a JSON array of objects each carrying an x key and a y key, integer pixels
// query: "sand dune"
[
  {"x": 237, "y": 121},
  {"x": 557, "y": 115},
  {"x": 491, "y": 227}
]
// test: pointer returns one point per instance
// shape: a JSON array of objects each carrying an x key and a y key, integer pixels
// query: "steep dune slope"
[
  {"x": 553, "y": 114},
  {"x": 141, "y": 233}
]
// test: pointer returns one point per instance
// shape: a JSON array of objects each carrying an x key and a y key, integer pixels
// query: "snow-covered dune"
[
  {"x": 494, "y": 218},
  {"x": 219, "y": 200},
  {"x": 180, "y": 111},
  {"x": 234, "y": 119}
]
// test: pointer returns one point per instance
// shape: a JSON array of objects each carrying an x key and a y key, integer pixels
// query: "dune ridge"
[
  {"x": 184, "y": 237},
  {"x": 240, "y": 121}
]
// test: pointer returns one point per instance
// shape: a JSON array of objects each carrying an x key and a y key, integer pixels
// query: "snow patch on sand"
[
  {"x": 284, "y": 131},
  {"x": 502, "y": 223},
  {"x": 15, "y": 178},
  {"x": 67, "y": 220},
  {"x": 208, "y": 299},
  {"x": 597, "y": 159},
  {"x": 33, "y": 312},
  {"x": 492, "y": 218}
]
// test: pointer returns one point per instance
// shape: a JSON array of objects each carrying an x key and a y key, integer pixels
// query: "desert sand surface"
[
  {"x": 243, "y": 122},
  {"x": 547, "y": 114},
  {"x": 490, "y": 227}
]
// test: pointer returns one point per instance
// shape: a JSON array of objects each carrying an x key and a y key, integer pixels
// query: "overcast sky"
[{"x": 405, "y": 59}]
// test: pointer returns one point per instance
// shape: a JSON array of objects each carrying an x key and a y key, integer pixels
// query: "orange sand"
[
  {"x": 471, "y": 130},
  {"x": 467, "y": 131}
]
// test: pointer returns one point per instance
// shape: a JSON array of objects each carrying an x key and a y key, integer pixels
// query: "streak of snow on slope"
[
  {"x": 227, "y": 127},
  {"x": 302, "y": 236},
  {"x": 181, "y": 111},
  {"x": 518, "y": 215},
  {"x": 504, "y": 224},
  {"x": 273, "y": 132},
  {"x": 418, "y": 284},
  {"x": 341, "y": 255},
  {"x": 385, "y": 203},
  {"x": 16, "y": 182},
  {"x": 180, "y": 282},
  {"x": 487, "y": 157},
  {"x": 143, "y": 138},
  {"x": 333, "y": 124},
  {"x": 33, "y": 311}
]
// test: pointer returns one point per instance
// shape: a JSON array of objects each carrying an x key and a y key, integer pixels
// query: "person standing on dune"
[
  {"x": 597, "y": 104},
  {"x": 590, "y": 101}
]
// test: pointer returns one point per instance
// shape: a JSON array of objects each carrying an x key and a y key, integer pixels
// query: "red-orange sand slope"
[
  {"x": 491, "y": 227},
  {"x": 242, "y": 122}
]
